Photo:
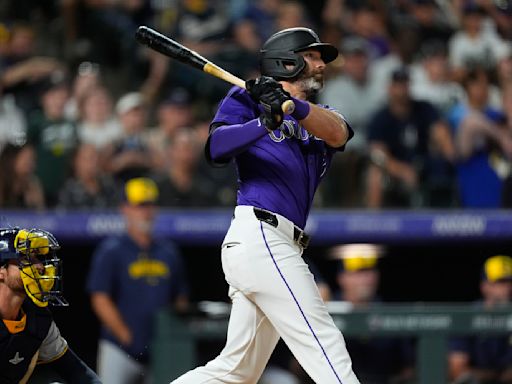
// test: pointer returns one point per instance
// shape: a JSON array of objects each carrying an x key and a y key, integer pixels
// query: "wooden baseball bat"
[{"x": 170, "y": 48}]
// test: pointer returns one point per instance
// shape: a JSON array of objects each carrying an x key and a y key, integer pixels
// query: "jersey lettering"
[{"x": 289, "y": 129}]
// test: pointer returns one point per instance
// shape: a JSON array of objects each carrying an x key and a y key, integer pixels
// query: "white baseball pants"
[
  {"x": 115, "y": 366},
  {"x": 274, "y": 295}
]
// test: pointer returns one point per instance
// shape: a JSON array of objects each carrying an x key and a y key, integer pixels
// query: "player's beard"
[
  {"x": 310, "y": 83},
  {"x": 14, "y": 282}
]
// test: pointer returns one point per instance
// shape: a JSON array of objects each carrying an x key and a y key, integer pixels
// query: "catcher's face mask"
[{"x": 40, "y": 266}]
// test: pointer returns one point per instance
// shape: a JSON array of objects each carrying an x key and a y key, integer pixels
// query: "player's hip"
[
  {"x": 248, "y": 219},
  {"x": 252, "y": 248}
]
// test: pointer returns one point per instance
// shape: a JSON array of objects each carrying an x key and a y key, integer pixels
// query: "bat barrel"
[{"x": 168, "y": 47}]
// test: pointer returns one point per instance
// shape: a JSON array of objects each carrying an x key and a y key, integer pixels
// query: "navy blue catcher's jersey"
[{"x": 17, "y": 349}]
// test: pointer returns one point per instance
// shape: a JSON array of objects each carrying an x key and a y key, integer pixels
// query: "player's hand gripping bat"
[{"x": 170, "y": 48}]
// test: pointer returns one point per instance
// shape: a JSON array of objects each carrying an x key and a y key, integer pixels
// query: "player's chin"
[{"x": 315, "y": 85}]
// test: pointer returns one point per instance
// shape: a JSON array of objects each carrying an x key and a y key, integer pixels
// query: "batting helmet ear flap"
[
  {"x": 282, "y": 50},
  {"x": 281, "y": 65}
]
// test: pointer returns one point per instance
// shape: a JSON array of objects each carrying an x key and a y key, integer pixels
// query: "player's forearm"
[
  {"x": 326, "y": 125},
  {"x": 110, "y": 317},
  {"x": 230, "y": 140},
  {"x": 74, "y": 370}
]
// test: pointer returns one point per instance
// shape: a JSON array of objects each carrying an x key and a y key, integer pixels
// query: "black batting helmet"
[{"x": 280, "y": 51}]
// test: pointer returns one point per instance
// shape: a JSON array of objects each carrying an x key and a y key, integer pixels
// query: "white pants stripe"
[
  {"x": 298, "y": 306},
  {"x": 274, "y": 295}
]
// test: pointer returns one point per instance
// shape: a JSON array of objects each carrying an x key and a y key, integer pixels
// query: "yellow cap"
[
  {"x": 355, "y": 257},
  {"x": 357, "y": 263},
  {"x": 498, "y": 268},
  {"x": 141, "y": 190}
]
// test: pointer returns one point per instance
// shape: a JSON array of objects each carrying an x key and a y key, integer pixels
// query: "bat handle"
[{"x": 288, "y": 107}]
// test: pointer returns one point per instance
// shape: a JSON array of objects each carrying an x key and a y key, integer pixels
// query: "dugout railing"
[{"x": 177, "y": 337}]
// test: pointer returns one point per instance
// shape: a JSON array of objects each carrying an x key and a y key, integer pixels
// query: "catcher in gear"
[
  {"x": 30, "y": 279},
  {"x": 280, "y": 161}
]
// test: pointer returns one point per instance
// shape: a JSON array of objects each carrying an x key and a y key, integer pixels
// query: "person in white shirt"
[{"x": 476, "y": 44}]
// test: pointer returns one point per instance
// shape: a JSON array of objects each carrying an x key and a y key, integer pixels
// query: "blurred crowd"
[{"x": 426, "y": 85}]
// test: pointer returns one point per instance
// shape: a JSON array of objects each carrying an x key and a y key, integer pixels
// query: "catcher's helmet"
[
  {"x": 280, "y": 50},
  {"x": 35, "y": 252}
]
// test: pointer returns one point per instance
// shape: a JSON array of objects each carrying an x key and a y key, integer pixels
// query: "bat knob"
[{"x": 288, "y": 107}]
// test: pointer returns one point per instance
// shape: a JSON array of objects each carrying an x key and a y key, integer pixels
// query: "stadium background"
[{"x": 429, "y": 268}]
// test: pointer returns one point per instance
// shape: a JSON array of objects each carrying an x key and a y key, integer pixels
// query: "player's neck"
[
  {"x": 141, "y": 238},
  {"x": 10, "y": 303},
  {"x": 294, "y": 90}
]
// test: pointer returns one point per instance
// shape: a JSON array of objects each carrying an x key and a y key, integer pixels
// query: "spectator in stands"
[
  {"x": 506, "y": 195},
  {"x": 23, "y": 70},
  {"x": 263, "y": 14},
  {"x": 404, "y": 42},
  {"x": 486, "y": 359},
  {"x": 87, "y": 76},
  {"x": 53, "y": 136},
  {"x": 13, "y": 125},
  {"x": 246, "y": 37},
  {"x": 366, "y": 22},
  {"x": 478, "y": 135},
  {"x": 97, "y": 124},
  {"x": 501, "y": 14},
  {"x": 202, "y": 24},
  {"x": 104, "y": 35},
  {"x": 354, "y": 93},
  {"x": 19, "y": 185},
  {"x": 504, "y": 68},
  {"x": 406, "y": 138},
  {"x": 132, "y": 277},
  {"x": 430, "y": 77},
  {"x": 291, "y": 14},
  {"x": 173, "y": 113},
  {"x": 331, "y": 26},
  {"x": 130, "y": 156},
  {"x": 432, "y": 23},
  {"x": 88, "y": 187},
  {"x": 180, "y": 185},
  {"x": 473, "y": 45},
  {"x": 379, "y": 360}
]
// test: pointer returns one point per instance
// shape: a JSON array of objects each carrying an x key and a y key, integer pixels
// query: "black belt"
[{"x": 301, "y": 237}]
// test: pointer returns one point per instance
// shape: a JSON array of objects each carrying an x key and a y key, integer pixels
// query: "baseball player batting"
[{"x": 280, "y": 161}]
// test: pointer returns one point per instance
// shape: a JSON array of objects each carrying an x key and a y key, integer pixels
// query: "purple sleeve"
[
  {"x": 234, "y": 128},
  {"x": 228, "y": 141}
]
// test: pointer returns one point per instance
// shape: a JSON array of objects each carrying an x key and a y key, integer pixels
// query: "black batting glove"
[
  {"x": 262, "y": 87},
  {"x": 271, "y": 95}
]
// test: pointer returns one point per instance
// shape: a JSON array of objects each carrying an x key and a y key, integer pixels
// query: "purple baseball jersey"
[{"x": 281, "y": 170}]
